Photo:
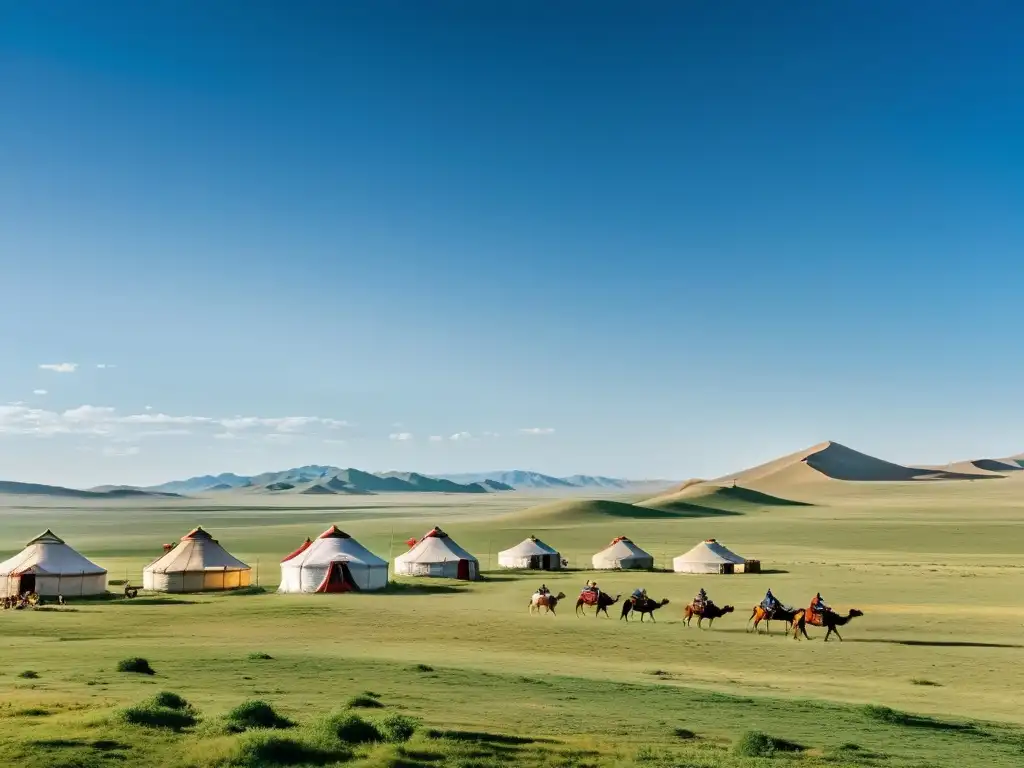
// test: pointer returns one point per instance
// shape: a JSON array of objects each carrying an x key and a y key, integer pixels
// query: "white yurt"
[
  {"x": 333, "y": 562},
  {"x": 622, "y": 553},
  {"x": 198, "y": 563},
  {"x": 531, "y": 553},
  {"x": 49, "y": 567},
  {"x": 712, "y": 557},
  {"x": 436, "y": 554}
]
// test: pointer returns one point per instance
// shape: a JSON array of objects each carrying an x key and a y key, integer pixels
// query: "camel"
[
  {"x": 603, "y": 601},
  {"x": 709, "y": 612},
  {"x": 642, "y": 605},
  {"x": 781, "y": 613},
  {"x": 548, "y": 602},
  {"x": 829, "y": 619}
]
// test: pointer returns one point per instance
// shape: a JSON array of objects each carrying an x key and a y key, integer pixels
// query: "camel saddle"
[
  {"x": 589, "y": 596},
  {"x": 814, "y": 619}
]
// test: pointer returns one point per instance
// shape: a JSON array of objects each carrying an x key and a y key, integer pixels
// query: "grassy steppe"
[{"x": 935, "y": 569}]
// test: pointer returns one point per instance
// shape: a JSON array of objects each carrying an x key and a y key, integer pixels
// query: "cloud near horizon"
[
  {"x": 59, "y": 367},
  {"x": 400, "y": 436},
  {"x": 101, "y": 421},
  {"x": 38, "y": 391},
  {"x": 537, "y": 431}
]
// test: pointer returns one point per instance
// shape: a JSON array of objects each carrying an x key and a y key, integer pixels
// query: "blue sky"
[{"x": 658, "y": 242}]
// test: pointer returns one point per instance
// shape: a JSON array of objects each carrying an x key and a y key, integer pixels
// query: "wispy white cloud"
[
  {"x": 537, "y": 431},
  {"x": 436, "y": 438},
  {"x": 59, "y": 367},
  {"x": 225, "y": 436},
  {"x": 148, "y": 407},
  {"x": 38, "y": 391},
  {"x": 19, "y": 419},
  {"x": 461, "y": 436},
  {"x": 105, "y": 365},
  {"x": 400, "y": 436},
  {"x": 491, "y": 434}
]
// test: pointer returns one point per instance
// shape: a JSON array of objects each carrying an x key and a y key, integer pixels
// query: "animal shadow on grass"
[
  {"x": 486, "y": 738},
  {"x": 934, "y": 643}
]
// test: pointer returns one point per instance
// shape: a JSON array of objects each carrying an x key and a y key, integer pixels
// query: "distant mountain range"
[
  {"x": 316, "y": 479},
  {"x": 322, "y": 479}
]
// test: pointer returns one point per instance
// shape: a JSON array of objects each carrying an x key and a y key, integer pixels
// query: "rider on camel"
[
  {"x": 591, "y": 587},
  {"x": 639, "y": 594},
  {"x": 543, "y": 590},
  {"x": 770, "y": 603},
  {"x": 701, "y": 600},
  {"x": 818, "y": 604}
]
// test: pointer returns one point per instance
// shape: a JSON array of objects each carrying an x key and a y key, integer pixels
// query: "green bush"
[
  {"x": 252, "y": 714},
  {"x": 29, "y": 674},
  {"x": 259, "y": 749},
  {"x": 344, "y": 727},
  {"x": 151, "y": 715},
  {"x": 169, "y": 700},
  {"x": 757, "y": 744},
  {"x": 135, "y": 664},
  {"x": 259, "y": 656},
  {"x": 397, "y": 728}
]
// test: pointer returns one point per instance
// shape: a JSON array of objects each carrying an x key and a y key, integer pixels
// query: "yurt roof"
[
  {"x": 623, "y": 546},
  {"x": 529, "y": 547},
  {"x": 198, "y": 551},
  {"x": 49, "y": 554},
  {"x": 710, "y": 551},
  {"x": 335, "y": 545},
  {"x": 436, "y": 546},
  {"x": 299, "y": 551}
]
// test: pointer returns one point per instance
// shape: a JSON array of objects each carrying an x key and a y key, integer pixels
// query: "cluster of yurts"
[{"x": 333, "y": 562}]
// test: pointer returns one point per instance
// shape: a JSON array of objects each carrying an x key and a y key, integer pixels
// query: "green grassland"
[{"x": 935, "y": 567}]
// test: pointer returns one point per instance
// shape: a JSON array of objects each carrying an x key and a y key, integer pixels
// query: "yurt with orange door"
[{"x": 198, "y": 563}]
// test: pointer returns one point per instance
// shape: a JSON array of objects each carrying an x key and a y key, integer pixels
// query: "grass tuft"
[
  {"x": 922, "y": 681},
  {"x": 169, "y": 700},
  {"x": 259, "y": 656},
  {"x": 757, "y": 744},
  {"x": 365, "y": 700},
  {"x": 254, "y": 714},
  {"x": 423, "y": 668},
  {"x": 135, "y": 664},
  {"x": 29, "y": 674}
]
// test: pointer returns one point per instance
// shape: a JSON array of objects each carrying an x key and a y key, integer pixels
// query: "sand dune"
[
  {"x": 833, "y": 461},
  {"x": 717, "y": 497},
  {"x": 580, "y": 511}
]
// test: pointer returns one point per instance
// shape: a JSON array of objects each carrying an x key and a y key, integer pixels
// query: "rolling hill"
[
  {"x": 727, "y": 498},
  {"x": 11, "y": 488}
]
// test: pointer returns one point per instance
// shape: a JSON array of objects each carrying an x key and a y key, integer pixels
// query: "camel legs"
[{"x": 830, "y": 631}]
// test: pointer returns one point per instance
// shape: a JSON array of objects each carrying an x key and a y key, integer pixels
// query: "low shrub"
[
  {"x": 259, "y": 749},
  {"x": 885, "y": 714},
  {"x": 259, "y": 656},
  {"x": 254, "y": 713},
  {"x": 345, "y": 728},
  {"x": 135, "y": 664},
  {"x": 165, "y": 710},
  {"x": 757, "y": 744},
  {"x": 423, "y": 668},
  {"x": 397, "y": 728},
  {"x": 169, "y": 700},
  {"x": 29, "y": 674},
  {"x": 922, "y": 681}
]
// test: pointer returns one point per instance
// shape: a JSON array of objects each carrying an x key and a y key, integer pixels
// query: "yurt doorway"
[
  {"x": 463, "y": 571},
  {"x": 27, "y": 583},
  {"x": 338, "y": 579}
]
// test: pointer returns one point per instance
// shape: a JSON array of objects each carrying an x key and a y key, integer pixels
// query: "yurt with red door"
[
  {"x": 437, "y": 554},
  {"x": 333, "y": 562}
]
